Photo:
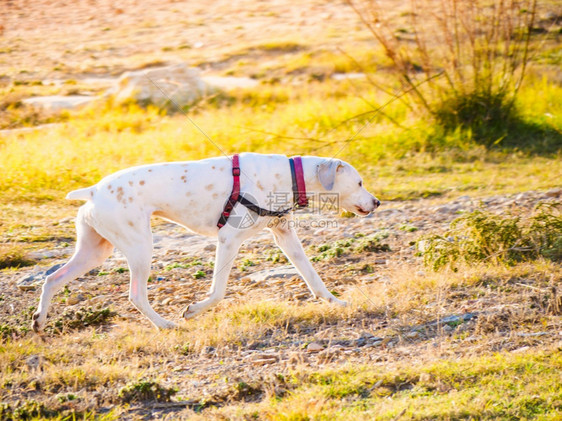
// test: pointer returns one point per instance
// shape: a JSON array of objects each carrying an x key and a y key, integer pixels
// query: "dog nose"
[{"x": 376, "y": 203}]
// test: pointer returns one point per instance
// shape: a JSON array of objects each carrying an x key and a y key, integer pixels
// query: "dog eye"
[{"x": 361, "y": 184}]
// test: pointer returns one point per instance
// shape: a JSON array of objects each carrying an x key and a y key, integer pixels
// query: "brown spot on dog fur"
[
  {"x": 109, "y": 187},
  {"x": 187, "y": 193},
  {"x": 149, "y": 170},
  {"x": 91, "y": 194},
  {"x": 131, "y": 183},
  {"x": 277, "y": 175},
  {"x": 120, "y": 194},
  {"x": 131, "y": 224},
  {"x": 184, "y": 178},
  {"x": 215, "y": 195},
  {"x": 259, "y": 185},
  {"x": 130, "y": 199},
  {"x": 221, "y": 169},
  {"x": 209, "y": 186},
  {"x": 213, "y": 167},
  {"x": 141, "y": 182}
]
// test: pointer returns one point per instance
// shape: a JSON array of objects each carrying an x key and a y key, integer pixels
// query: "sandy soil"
[{"x": 100, "y": 37}]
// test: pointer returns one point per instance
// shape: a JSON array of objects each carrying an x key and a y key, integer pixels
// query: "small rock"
[
  {"x": 160, "y": 85},
  {"x": 462, "y": 198},
  {"x": 412, "y": 335},
  {"x": 263, "y": 361},
  {"x": 72, "y": 300},
  {"x": 210, "y": 247},
  {"x": 31, "y": 281},
  {"x": 375, "y": 344},
  {"x": 282, "y": 272},
  {"x": 33, "y": 361},
  {"x": 75, "y": 299},
  {"x": 314, "y": 347},
  {"x": 166, "y": 301},
  {"x": 229, "y": 82},
  {"x": 531, "y": 334},
  {"x": 260, "y": 359},
  {"x": 556, "y": 192},
  {"x": 444, "y": 209},
  {"x": 58, "y": 102},
  {"x": 99, "y": 299}
]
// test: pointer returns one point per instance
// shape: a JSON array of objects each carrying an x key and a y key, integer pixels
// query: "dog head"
[{"x": 341, "y": 178}]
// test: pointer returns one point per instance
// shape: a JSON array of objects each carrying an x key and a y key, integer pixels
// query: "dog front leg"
[
  {"x": 229, "y": 242},
  {"x": 287, "y": 240}
]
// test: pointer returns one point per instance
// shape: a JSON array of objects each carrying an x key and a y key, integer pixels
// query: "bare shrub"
[{"x": 479, "y": 48}]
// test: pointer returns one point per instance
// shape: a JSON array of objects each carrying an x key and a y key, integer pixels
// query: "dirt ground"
[
  {"x": 462, "y": 322},
  {"x": 101, "y": 37},
  {"x": 80, "y": 39}
]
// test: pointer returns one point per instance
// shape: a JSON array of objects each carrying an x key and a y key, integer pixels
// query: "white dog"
[{"x": 193, "y": 194}]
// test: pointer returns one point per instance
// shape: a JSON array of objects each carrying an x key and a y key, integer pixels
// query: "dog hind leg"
[
  {"x": 139, "y": 259},
  {"x": 91, "y": 251}
]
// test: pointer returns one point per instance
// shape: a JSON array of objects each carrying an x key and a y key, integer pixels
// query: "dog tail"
[{"x": 81, "y": 194}]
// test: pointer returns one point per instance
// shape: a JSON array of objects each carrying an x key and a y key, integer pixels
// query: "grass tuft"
[
  {"x": 14, "y": 256},
  {"x": 482, "y": 236},
  {"x": 83, "y": 318},
  {"x": 146, "y": 390}
]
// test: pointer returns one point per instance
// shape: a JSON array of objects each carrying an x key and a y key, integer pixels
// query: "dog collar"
[{"x": 299, "y": 186}]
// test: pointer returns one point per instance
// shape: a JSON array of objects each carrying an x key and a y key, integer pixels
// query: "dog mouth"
[{"x": 362, "y": 211}]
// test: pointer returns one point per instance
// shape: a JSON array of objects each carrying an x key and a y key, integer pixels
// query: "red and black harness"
[{"x": 299, "y": 192}]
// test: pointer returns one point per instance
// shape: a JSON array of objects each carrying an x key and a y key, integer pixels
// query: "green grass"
[
  {"x": 397, "y": 162},
  {"x": 503, "y": 386}
]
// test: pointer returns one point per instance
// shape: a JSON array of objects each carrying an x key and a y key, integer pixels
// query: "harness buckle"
[{"x": 236, "y": 171}]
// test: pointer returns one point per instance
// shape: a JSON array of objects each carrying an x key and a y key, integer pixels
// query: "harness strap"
[
  {"x": 299, "y": 192},
  {"x": 235, "y": 195},
  {"x": 261, "y": 211}
]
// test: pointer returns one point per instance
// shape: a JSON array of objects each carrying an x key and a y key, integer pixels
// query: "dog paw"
[
  {"x": 342, "y": 303},
  {"x": 185, "y": 314},
  {"x": 189, "y": 312},
  {"x": 168, "y": 325},
  {"x": 36, "y": 325}
]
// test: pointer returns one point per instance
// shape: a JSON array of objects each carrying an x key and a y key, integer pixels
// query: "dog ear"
[{"x": 326, "y": 172}]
